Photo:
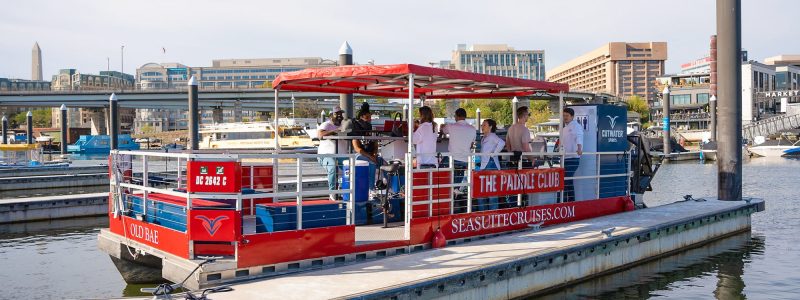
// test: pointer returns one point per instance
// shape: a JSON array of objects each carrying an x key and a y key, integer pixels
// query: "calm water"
[{"x": 60, "y": 259}]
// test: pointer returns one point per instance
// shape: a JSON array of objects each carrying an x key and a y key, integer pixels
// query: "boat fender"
[
  {"x": 439, "y": 240},
  {"x": 629, "y": 205}
]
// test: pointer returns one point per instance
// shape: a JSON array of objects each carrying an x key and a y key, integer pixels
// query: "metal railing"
[
  {"x": 606, "y": 179},
  {"x": 139, "y": 175}
]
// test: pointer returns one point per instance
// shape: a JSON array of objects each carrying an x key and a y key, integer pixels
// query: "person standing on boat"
[
  {"x": 490, "y": 144},
  {"x": 328, "y": 146},
  {"x": 461, "y": 136},
  {"x": 366, "y": 150},
  {"x": 572, "y": 145},
  {"x": 425, "y": 139},
  {"x": 518, "y": 138}
]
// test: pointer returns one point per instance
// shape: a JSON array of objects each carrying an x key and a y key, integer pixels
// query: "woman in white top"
[
  {"x": 490, "y": 143},
  {"x": 425, "y": 139}
]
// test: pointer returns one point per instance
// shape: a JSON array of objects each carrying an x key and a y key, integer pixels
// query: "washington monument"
[{"x": 36, "y": 64}]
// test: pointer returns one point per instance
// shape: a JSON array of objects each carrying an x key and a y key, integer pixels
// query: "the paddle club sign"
[{"x": 492, "y": 183}]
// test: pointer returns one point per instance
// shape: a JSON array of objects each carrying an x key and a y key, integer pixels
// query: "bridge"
[
  {"x": 771, "y": 125},
  {"x": 245, "y": 99}
]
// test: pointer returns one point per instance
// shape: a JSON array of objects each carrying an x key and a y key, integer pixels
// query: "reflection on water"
[
  {"x": 722, "y": 260},
  {"x": 760, "y": 267},
  {"x": 60, "y": 259}
]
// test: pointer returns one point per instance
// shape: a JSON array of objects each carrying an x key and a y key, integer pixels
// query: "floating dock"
[
  {"x": 53, "y": 207},
  {"x": 517, "y": 264}
]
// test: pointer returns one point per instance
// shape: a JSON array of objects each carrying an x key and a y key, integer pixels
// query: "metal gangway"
[{"x": 770, "y": 126}]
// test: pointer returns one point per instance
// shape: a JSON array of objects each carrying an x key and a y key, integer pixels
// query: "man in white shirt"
[
  {"x": 572, "y": 144},
  {"x": 328, "y": 146},
  {"x": 461, "y": 136}
]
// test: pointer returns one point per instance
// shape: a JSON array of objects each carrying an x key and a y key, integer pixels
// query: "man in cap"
[{"x": 328, "y": 146}]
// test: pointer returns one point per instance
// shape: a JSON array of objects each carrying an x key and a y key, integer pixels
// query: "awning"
[{"x": 392, "y": 81}]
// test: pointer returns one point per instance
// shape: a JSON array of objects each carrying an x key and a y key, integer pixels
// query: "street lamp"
[{"x": 292, "y": 106}]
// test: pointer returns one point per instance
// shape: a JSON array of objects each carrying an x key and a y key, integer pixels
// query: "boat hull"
[{"x": 769, "y": 151}]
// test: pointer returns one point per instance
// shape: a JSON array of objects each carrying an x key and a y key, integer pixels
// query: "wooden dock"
[{"x": 517, "y": 264}]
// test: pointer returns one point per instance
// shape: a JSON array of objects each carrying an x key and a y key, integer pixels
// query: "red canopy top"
[{"x": 392, "y": 81}]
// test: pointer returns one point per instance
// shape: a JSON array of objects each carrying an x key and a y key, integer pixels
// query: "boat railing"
[
  {"x": 435, "y": 192},
  {"x": 272, "y": 190},
  {"x": 280, "y": 193}
]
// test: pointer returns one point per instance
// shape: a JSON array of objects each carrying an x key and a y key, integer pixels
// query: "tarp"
[{"x": 392, "y": 81}]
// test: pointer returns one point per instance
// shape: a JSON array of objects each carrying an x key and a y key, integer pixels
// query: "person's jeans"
[
  {"x": 570, "y": 166},
  {"x": 491, "y": 202},
  {"x": 330, "y": 164}
]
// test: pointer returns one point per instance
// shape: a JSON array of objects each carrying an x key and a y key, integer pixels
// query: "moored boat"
[{"x": 229, "y": 213}]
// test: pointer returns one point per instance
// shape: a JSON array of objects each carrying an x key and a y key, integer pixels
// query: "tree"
[
  {"x": 540, "y": 112},
  {"x": 41, "y": 118},
  {"x": 639, "y": 105}
]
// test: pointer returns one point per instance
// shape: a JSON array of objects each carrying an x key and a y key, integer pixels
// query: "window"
[
  {"x": 680, "y": 99},
  {"x": 702, "y": 98}
]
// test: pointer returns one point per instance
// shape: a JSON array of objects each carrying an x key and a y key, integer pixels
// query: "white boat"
[
  {"x": 771, "y": 149},
  {"x": 257, "y": 135}
]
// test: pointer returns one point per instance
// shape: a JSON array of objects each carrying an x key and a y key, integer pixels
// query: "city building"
[
  {"x": 36, "y": 64},
  {"x": 783, "y": 60},
  {"x": 76, "y": 117},
  {"x": 618, "y": 68},
  {"x": 10, "y": 84},
  {"x": 224, "y": 73},
  {"x": 702, "y": 65},
  {"x": 697, "y": 66},
  {"x": 689, "y": 96},
  {"x": 498, "y": 59},
  {"x": 72, "y": 80}
]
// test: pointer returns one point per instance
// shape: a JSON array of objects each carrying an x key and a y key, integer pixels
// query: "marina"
[
  {"x": 485, "y": 175},
  {"x": 697, "y": 273}
]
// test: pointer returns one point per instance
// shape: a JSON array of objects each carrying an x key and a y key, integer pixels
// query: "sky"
[{"x": 86, "y": 34}]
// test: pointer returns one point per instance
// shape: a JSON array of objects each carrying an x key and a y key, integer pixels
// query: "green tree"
[
  {"x": 41, "y": 118},
  {"x": 639, "y": 105},
  {"x": 540, "y": 112}
]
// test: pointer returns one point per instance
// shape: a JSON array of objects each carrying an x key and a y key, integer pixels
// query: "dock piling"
[
  {"x": 5, "y": 130},
  {"x": 29, "y": 132},
  {"x": 114, "y": 122},
  {"x": 729, "y": 89},
  {"x": 194, "y": 116},
  {"x": 346, "y": 59},
  {"x": 64, "y": 130},
  {"x": 665, "y": 129}
]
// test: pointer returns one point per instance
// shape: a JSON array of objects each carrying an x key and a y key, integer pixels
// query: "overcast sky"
[{"x": 81, "y": 34}]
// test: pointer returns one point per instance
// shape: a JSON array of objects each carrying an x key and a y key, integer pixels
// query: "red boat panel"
[
  {"x": 262, "y": 177},
  {"x": 213, "y": 176},
  {"x": 159, "y": 237},
  {"x": 214, "y": 249},
  {"x": 496, "y": 221},
  {"x": 438, "y": 194},
  {"x": 284, "y": 246},
  {"x": 214, "y": 225}
]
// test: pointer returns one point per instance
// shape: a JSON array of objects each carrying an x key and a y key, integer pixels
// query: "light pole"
[
  {"x": 712, "y": 111},
  {"x": 122, "y": 59},
  {"x": 293, "y": 107},
  {"x": 539, "y": 68},
  {"x": 514, "y": 103}
]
